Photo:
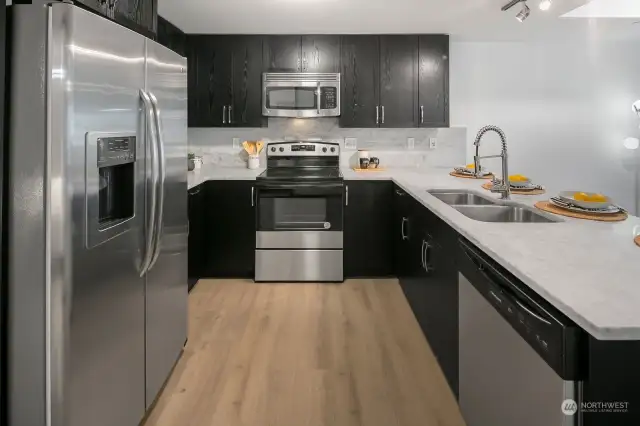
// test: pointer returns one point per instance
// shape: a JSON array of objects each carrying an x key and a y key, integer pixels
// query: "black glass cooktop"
[{"x": 306, "y": 173}]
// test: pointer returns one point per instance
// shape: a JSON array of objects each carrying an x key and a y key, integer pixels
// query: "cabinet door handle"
[
  {"x": 421, "y": 114},
  {"x": 195, "y": 192},
  {"x": 400, "y": 193},
  {"x": 346, "y": 195},
  {"x": 404, "y": 221},
  {"x": 253, "y": 196},
  {"x": 427, "y": 256},
  {"x": 230, "y": 119},
  {"x": 423, "y": 254},
  {"x": 377, "y": 114},
  {"x": 224, "y": 114},
  {"x": 382, "y": 114}
]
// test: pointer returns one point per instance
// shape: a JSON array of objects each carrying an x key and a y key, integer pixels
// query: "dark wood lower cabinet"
[
  {"x": 425, "y": 265},
  {"x": 230, "y": 236},
  {"x": 368, "y": 243},
  {"x": 197, "y": 233}
]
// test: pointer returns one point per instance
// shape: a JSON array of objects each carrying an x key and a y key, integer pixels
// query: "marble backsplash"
[{"x": 390, "y": 145}]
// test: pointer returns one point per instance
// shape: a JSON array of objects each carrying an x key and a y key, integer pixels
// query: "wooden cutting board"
[
  {"x": 460, "y": 175},
  {"x": 637, "y": 240}
]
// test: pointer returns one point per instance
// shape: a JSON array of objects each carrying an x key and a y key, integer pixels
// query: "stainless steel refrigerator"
[{"x": 97, "y": 217}]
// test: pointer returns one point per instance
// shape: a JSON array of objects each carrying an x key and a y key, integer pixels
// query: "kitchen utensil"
[
  {"x": 568, "y": 196},
  {"x": 249, "y": 147},
  {"x": 569, "y": 206},
  {"x": 374, "y": 162},
  {"x": 259, "y": 147},
  {"x": 364, "y": 163}
]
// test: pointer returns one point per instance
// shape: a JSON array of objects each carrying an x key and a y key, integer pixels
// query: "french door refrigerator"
[{"x": 98, "y": 219}]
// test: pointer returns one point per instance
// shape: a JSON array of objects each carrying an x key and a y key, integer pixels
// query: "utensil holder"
[{"x": 253, "y": 162}]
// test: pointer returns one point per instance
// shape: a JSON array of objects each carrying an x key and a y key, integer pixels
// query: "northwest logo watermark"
[{"x": 570, "y": 407}]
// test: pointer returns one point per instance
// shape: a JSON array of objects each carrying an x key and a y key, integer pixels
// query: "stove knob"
[
  {"x": 333, "y": 150},
  {"x": 281, "y": 149},
  {"x": 324, "y": 149},
  {"x": 273, "y": 149}
]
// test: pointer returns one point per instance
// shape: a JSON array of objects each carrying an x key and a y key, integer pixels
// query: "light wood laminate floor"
[{"x": 304, "y": 354}]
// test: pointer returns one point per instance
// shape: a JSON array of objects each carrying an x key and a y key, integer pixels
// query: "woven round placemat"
[
  {"x": 549, "y": 207},
  {"x": 460, "y": 175},
  {"x": 637, "y": 240},
  {"x": 488, "y": 186}
]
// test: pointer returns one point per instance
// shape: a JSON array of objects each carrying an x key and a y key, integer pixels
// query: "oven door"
[
  {"x": 304, "y": 99},
  {"x": 300, "y": 207}
]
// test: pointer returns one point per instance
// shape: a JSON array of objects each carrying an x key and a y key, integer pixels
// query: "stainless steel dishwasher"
[{"x": 520, "y": 359}]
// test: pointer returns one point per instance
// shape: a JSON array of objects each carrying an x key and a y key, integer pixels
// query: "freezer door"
[{"x": 166, "y": 281}]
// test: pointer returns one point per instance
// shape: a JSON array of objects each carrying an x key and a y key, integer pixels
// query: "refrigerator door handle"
[
  {"x": 151, "y": 216},
  {"x": 162, "y": 169}
]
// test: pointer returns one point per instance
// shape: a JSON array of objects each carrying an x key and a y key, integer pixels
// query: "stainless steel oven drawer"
[
  {"x": 315, "y": 240},
  {"x": 299, "y": 265}
]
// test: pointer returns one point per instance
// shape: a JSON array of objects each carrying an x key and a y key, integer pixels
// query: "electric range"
[{"x": 300, "y": 213}]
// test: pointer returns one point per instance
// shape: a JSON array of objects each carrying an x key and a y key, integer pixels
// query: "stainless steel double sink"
[{"x": 487, "y": 209}]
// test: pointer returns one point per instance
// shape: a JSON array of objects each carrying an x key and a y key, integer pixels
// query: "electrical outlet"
[
  {"x": 236, "y": 143},
  {"x": 411, "y": 143},
  {"x": 433, "y": 143},
  {"x": 351, "y": 143}
]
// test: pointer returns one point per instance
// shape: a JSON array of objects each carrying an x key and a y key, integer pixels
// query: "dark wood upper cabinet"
[
  {"x": 398, "y": 80},
  {"x": 282, "y": 53},
  {"x": 210, "y": 91},
  {"x": 320, "y": 53},
  {"x": 225, "y": 84},
  {"x": 138, "y": 15},
  {"x": 246, "y": 105},
  {"x": 360, "y": 80},
  {"x": 171, "y": 36},
  {"x": 433, "y": 86}
]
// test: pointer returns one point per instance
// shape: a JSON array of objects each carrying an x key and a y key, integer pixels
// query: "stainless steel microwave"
[{"x": 301, "y": 95}]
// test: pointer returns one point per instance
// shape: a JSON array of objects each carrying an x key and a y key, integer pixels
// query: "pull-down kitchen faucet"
[{"x": 501, "y": 187}]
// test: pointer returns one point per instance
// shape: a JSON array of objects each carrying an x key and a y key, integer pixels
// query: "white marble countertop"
[{"x": 588, "y": 270}]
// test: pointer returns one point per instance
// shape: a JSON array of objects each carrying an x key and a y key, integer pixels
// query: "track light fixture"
[{"x": 524, "y": 13}]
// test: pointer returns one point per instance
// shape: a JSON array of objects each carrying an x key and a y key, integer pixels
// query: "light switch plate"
[
  {"x": 411, "y": 143},
  {"x": 351, "y": 143},
  {"x": 236, "y": 143},
  {"x": 433, "y": 143}
]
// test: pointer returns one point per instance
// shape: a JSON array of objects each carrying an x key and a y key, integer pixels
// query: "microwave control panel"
[{"x": 329, "y": 98}]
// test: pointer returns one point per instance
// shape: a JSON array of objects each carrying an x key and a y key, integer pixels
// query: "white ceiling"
[{"x": 467, "y": 20}]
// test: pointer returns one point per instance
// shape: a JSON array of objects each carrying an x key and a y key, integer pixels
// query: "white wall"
[{"x": 565, "y": 107}]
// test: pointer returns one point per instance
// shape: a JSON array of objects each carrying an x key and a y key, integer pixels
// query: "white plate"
[
  {"x": 520, "y": 183},
  {"x": 608, "y": 210},
  {"x": 568, "y": 197},
  {"x": 464, "y": 169}
]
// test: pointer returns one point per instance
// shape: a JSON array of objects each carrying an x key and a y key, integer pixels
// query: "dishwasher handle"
[{"x": 503, "y": 287}]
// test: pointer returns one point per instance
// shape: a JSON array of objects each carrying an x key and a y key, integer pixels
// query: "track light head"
[{"x": 524, "y": 13}]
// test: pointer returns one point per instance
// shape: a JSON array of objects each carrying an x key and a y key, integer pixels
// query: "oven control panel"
[{"x": 303, "y": 148}]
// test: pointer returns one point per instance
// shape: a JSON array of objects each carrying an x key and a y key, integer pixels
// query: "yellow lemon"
[
  {"x": 471, "y": 166},
  {"x": 580, "y": 196},
  {"x": 597, "y": 198}
]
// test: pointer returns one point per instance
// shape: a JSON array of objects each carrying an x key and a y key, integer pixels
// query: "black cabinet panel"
[
  {"x": 231, "y": 230},
  {"x": 321, "y": 53},
  {"x": 433, "y": 85},
  {"x": 138, "y": 15},
  {"x": 398, "y": 80},
  {"x": 210, "y": 89},
  {"x": 282, "y": 53},
  {"x": 171, "y": 36},
  {"x": 368, "y": 249},
  {"x": 197, "y": 233},
  {"x": 360, "y": 80},
  {"x": 246, "y": 106},
  {"x": 225, "y": 81}
]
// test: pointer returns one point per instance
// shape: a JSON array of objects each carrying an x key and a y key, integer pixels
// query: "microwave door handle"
[
  {"x": 162, "y": 171},
  {"x": 319, "y": 100},
  {"x": 150, "y": 139}
]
